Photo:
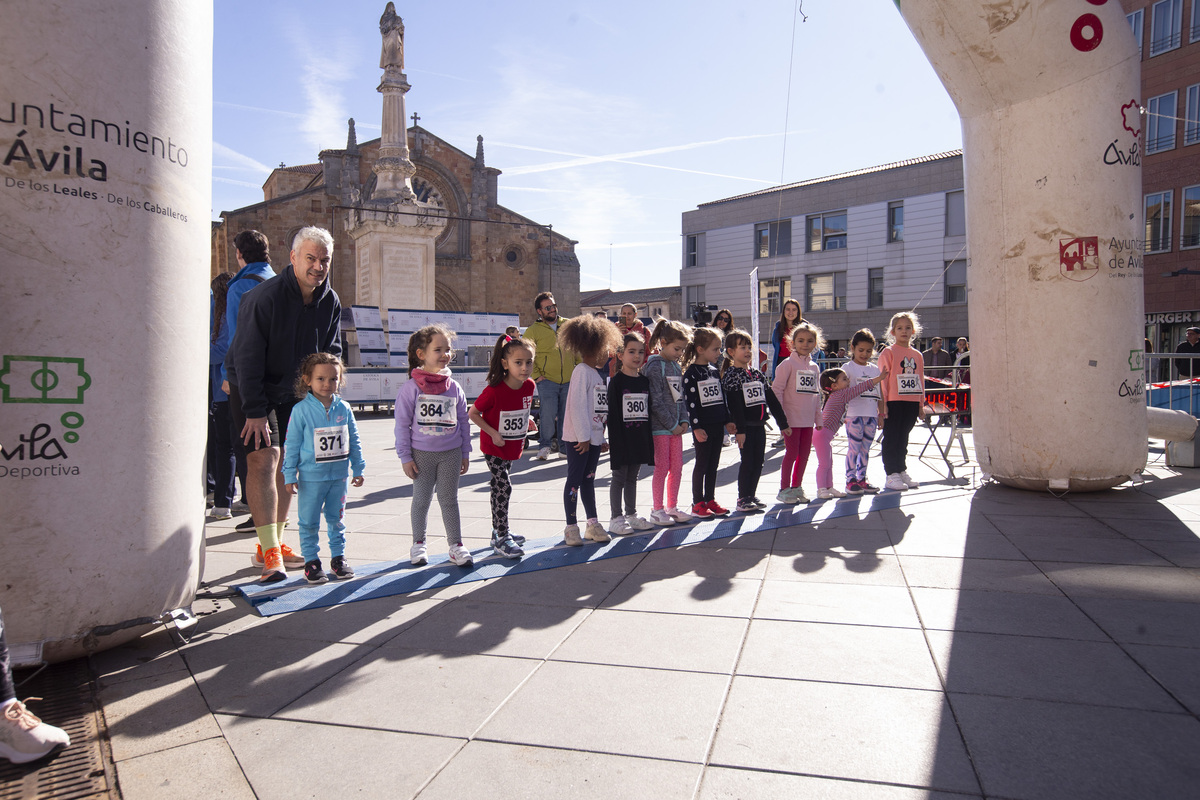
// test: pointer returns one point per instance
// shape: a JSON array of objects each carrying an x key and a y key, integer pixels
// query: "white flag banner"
[{"x": 754, "y": 313}]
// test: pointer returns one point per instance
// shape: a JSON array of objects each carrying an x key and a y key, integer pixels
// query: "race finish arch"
[
  {"x": 1049, "y": 94},
  {"x": 105, "y": 195}
]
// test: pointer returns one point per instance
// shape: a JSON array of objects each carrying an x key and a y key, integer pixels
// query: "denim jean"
[{"x": 553, "y": 399}]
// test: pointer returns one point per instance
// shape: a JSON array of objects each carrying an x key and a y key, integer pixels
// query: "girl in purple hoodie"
[{"x": 433, "y": 439}]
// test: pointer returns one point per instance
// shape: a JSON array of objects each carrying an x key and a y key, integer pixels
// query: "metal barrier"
[{"x": 1168, "y": 383}]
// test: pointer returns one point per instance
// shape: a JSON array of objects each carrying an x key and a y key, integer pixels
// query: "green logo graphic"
[
  {"x": 1135, "y": 360},
  {"x": 43, "y": 379}
]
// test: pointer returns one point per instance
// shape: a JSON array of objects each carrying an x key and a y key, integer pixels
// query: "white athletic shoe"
[
  {"x": 25, "y": 738},
  {"x": 417, "y": 555},
  {"x": 571, "y": 536},
  {"x": 618, "y": 526},
  {"x": 661, "y": 517},
  {"x": 595, "y": 531},
  {"x": 679, "y": 516},
  {"x": 895, "y": 483},
  {"x": 543, "y": 454},
  {"x": 638, "y": 523},
  {"x": 908, "y": 480},
  {"x": 829, "y": 494},
  {"x": 461, "y": 556}
]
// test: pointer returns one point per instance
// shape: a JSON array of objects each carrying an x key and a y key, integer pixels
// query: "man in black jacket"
[
  {"x": 1191, "y": 344},
  {"x": 280, "y": 321}
]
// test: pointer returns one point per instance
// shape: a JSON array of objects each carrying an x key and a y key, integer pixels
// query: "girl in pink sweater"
[
  {"x": 796, "y": 386},
  {"x": 835, "y": 384}
]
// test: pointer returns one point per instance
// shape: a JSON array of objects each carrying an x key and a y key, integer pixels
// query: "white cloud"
[{"x": 240, "y": 162}]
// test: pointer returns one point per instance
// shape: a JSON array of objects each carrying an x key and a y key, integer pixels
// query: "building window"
[
  {"x": 1160, "y": 123},
  {"x": 825, "y": 292},
  {"x": 773, "y": 239},
  {"x": 1158, "y": 222},
  {"x": 694, "y": 255},
  {"x": 827, "y": 231},
  {"x": 1135, "y": 23},
  {"x": 1166, "y": 22},
  {"x": 1191, "y": 123},
  {"x": 771, "y": 294},
  {"x": 693, "y": 295},
  {"x": 1191, "y": 218},
  {"x": 896, "y": 221},
  {"x": 956, "y": 282},
  {"x": 956, "y": 214},
  {"x": 875, "y": 288}
]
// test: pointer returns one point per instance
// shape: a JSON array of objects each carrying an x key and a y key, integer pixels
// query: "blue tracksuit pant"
[{"x": 312, "y": 497}]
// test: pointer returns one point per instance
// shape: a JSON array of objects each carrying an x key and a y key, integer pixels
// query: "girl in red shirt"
[{"x": 502, "y": 414}]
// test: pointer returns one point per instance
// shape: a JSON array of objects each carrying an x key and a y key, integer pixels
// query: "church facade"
[{"x": 488, "y": 257}]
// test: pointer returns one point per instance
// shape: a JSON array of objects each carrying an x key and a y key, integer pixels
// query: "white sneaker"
[
  {"x": 661, "y": 517},
  {"x": 417, "y": 555},
  {"x": 895, "y": 483},
  {"x": 571, "y": 536},
  {"x": 638, "y": 523},
  {"x": 25, "y": 738},
  {"x": 595, "y": 531},
  {"x": 240, "y": 507},
  {"x": 461, "y": 556},
  {"x": 543, "y": 454},
  {"x": 618, "y": 526},
  {"x": 220, "y": 513},
  {"x": 908, "y": 480},
  {"x": 829, "y": 494},
  {"x": 679, "y": 516}
]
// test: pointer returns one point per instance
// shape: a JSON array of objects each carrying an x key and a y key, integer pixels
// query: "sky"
[{"x": 608, "y": 121}]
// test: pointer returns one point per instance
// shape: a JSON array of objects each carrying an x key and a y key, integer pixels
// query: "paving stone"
[
  {"x": 1086, "y": 551},
  {"x": 685, "y": 594},
  {"x": 1032, "y": 749},
  {"x": 1025, "y": 525},
  {"x": 149, "y": 655},
  {"x": 898, "y": 736},
  {"x": 662, "y": 641},
  {"x": 812, "y": 601},
  {"x": 1124, "y": 581},
  {"x": 1004, "y": 612},
  {"x": 474, "y": 624},
  {"x": 721, "y": 783},
  {"x": 836, "y": 566},
  {"x": 319, "y": 759},
  {"x": 543, "y": 772},
  {"x": 1181, "y": 554},
  {"x": 839, "y": 654},
  {"x": 831, "y": 537},
  {"x": 588, "y": 707},
  {"x": 1096, "y": 673},
  {"x": 1145, "y": 621},
  {"x": 1175, "y": 668},
  {"x": 198, "y": 771},
  {"x": 155, "y": 713},
  {"x": 993, "y": 575},
  {"x": 734, "y": 562}
]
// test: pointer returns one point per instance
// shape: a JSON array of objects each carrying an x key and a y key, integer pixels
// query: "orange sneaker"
[
  {"x": 290, "y": 557},
  {"x": 273, "y": 569}
]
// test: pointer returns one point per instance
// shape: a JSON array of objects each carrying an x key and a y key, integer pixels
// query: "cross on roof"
[{"x": 415, "y": 118}]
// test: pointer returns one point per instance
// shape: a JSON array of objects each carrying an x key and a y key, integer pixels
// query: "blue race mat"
[{"x": 388, "y": 578}]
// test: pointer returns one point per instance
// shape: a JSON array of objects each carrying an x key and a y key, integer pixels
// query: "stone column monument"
[{"x": 393, "y": 232}]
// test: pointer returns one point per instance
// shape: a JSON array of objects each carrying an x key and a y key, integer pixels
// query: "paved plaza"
[{"x": 965, "y": 641}]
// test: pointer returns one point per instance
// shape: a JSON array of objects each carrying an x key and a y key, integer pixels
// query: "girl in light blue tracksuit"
[{"x": 321, "y": 447}]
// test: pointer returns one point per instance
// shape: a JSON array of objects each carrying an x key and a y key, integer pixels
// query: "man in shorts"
[{"x": 279, "y": 322}]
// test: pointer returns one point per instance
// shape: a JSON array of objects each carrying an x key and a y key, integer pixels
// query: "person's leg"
[
  {"x": 311, "y": 498},
  {"x": 223, "y": 459},
  {"x": 631, "y": 478},
  {"x": 423, "y": 486},
  {"x": 823, "y": 444},
  {"x": 675, "y": 469},
  {"x": 858, "y": 444},
  {"x": 803, "y": 448},
  {"x": 262, "y": 470},
  {"x": 553, "y": 397},
  {"x": 576, "y": 469},
  {"x": 700, "y": 468},
  {"x": 501, "y": 488},
  {"x": 616, "y": 487},
  {"x": 905, "y": 425},
  {"x": 335, "y": 516},
  {"x": 449, "y": 463},
  {"x": 756, "y": 444},
  {"x": 790, "y": 445},
  {"x": 662, "y": 464},
  {"x": 587, "y": 486},
  {"x": 283, "y": 413},
  {"x": 891, "y": 437},
  {"x": 714, "y": 462}
]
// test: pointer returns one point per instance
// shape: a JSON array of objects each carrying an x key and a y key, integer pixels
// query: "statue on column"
[{"x": 392, "y": 29}]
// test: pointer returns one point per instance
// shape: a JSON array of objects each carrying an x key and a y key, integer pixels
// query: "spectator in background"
[
  {"x": 937, "y": 360},
  {"x": 628, "y": 322},
  {"x": 552, "y": 367},
  {"x": 1186, "y": 367},
  {"x": 962, "y": 360},
  {"x": 781, "y": 335},
  {"x": 723, "y": 322}
]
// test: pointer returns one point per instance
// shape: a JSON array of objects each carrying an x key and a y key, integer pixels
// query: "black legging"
[
  {"x": 7, "y": 690},
  {"x": 708, "y": 460},
  {"x": 501, "y": 492},
  {"x": 901, "y": 416},
  {"x": 581, "y": 481},
  {"x": 753, "y": 452}
]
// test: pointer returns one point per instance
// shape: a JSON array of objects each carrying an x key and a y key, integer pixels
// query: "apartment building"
[
  {"x": 1168, "y": 34},
  {"x": 852, "y": 249}
]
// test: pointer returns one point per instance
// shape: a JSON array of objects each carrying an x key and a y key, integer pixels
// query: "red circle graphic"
[{"x": 1081, "y": 43}]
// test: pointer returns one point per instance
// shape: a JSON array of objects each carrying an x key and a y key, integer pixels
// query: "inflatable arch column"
[
  {"x": 1049, "y": 94},
  {"x": 105, "y": 195}
]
